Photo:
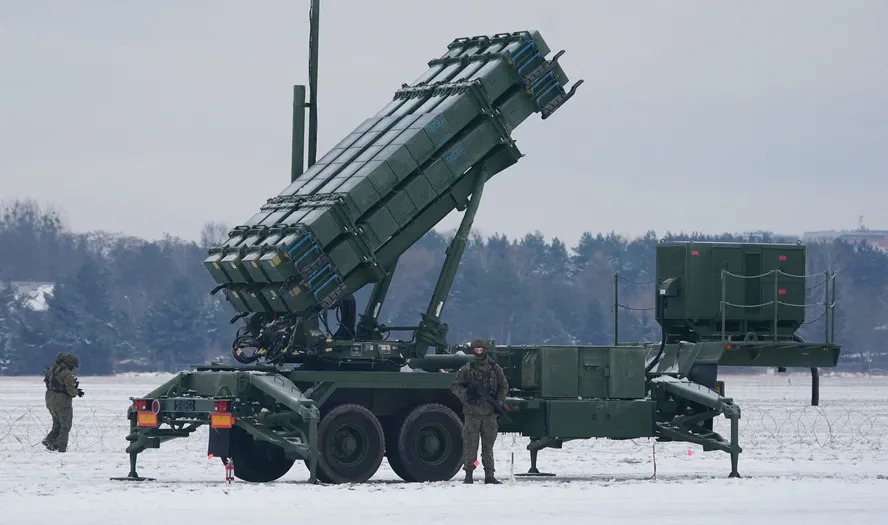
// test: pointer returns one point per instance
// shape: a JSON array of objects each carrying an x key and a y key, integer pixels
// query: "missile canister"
[{"x": 346, "y": 219}]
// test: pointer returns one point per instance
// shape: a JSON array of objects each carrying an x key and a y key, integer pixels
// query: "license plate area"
[{"x": 183, "y": 405}]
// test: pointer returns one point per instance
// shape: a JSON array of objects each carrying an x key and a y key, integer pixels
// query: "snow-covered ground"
[{"x": 801, "y": 464}]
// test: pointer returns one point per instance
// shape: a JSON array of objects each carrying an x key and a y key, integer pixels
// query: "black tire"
[
  {"x": 256, "y": 461},
  {"x": 392, "y": 427},
  {"x": 430, "y": 443},
  {"x": 351, "y": 444}
]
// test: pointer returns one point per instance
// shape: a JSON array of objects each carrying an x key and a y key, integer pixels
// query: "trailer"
[{"x": 340, "y": 402}]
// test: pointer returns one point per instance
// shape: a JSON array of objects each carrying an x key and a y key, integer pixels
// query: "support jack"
[
  {"x": 534, "y": 472},
  {"x": 133, "y": 475}
]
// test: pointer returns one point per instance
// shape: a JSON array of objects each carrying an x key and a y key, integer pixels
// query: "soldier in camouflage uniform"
[
  {"x": 61, "y": 388},
  {"x": 480, "y": 418}
]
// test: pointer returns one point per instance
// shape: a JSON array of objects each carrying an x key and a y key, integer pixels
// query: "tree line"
[{"x": 127, "y": 304}]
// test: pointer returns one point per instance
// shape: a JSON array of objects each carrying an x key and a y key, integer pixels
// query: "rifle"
[{"x": 474, "y": 390}]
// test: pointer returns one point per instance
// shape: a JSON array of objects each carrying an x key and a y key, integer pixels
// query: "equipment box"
[
  {"x": 750, "y": 287},
  {"x": 585, "y": 372},
  {"x": 600, "y": 418}
]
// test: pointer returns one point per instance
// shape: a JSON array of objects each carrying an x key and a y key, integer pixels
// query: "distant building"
[
  {"x": 33, "y": 292},
  {"x": 761, "y": 235},
  {"x": 875, "y": 238}
]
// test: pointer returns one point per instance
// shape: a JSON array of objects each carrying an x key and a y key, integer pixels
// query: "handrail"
[{"x": 828, "y": 303}]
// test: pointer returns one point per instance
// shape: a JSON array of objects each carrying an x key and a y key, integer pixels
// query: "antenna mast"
[{"x": 299, "y": 104}]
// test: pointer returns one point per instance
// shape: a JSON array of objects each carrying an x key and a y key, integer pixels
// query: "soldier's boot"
[
  {"x": 490, "y": 480},
  {"x": 468, "y": 480},
  {"x": 60, "y": 444}
]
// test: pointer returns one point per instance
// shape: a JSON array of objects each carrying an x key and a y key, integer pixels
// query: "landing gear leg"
[
  {"x": 735, "y": 447},
  {"x": 313, "y": 447},
  {"x": 534, "y": 471},
  {"x": 133, "y": 475}
]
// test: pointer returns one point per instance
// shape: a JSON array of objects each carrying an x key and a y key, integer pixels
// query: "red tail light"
[
  {"x": 222, "y": 417},
  {"x": 147, "y": 410}
]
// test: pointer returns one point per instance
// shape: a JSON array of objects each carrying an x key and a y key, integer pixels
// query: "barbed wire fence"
[
  {"x": 98, "y": 429},
  {"x": 95, "y": 429}
]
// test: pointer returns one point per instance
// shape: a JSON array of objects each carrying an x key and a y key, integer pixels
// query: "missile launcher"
[
  {"x": 342, "y": 223},
  {"x": 357, "y": 396}
]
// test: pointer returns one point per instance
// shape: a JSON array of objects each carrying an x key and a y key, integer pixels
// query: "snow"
[
  {"x": 34, "y": 294},
  {"x": 801, "y": 464},
  {"x": 37, "y": 299},
  {"x": 704, "y": 394}
]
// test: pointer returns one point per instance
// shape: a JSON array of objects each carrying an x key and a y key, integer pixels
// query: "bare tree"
[{"x": 213, "y": 234}]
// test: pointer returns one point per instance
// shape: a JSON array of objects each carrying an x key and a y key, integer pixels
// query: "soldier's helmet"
[
  {"x": 72, "y": 361},
  {"x": 479, "y": 348}
]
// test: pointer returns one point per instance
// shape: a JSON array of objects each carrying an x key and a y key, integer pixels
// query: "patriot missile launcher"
[{"x": 342, "y": 401}]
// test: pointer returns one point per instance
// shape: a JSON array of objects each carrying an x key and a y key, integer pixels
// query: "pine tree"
[
  {"x": 176, "y": 327},
  {"x": 8, "y": 361},
  {"x": 82, "y": 320}
]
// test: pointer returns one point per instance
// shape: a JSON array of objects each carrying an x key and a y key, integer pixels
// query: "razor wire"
[
  {"x": 829, "y": 302},
  {"x": 831, "y": 426},
  {"x": 94, "y": 429}
]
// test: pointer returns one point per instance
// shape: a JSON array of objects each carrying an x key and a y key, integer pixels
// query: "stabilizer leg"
[
  {"x": 533, "y": 471},
  {"x": 735, "y": 446},
  {"x": 313, "y": 448},
  {"x": 133, "y": 475}
]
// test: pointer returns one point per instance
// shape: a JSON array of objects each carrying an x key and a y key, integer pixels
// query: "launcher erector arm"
[{"x": 344, "y": 222}]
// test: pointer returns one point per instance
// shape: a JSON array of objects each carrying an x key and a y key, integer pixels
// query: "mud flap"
[{"x": 219, "y": 443}]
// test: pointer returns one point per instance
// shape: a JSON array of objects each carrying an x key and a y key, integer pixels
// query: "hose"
[{"x": 659, "y": 355}]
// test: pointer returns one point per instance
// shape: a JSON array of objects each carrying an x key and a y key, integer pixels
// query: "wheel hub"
[
  {"x": 432, "y": 445},
  {"x": 349, "y": 445}
]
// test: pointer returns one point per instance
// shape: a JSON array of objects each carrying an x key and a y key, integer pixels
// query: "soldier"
[
  {"x": 480, "y": 418},
  {"x": 61, "y": 388}
]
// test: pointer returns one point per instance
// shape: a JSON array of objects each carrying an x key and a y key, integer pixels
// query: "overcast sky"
[{"x": 152, "y": 117}]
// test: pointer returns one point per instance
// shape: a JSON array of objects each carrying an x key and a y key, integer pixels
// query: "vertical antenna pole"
[
  {"x": 832, "y": 310},
  {"x": 297, "y": 160},
  {"x": 313, "y": 82},
  {"x": 776, "y": 300},
  {"x": 724, "y": 304},
  {"x": 617, "y": 309},
  {"x": 297, "y": 163},
  {"x": 826, "y": 309}
]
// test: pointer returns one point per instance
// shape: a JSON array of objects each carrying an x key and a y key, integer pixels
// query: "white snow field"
[{"x": 801, "y": 464}]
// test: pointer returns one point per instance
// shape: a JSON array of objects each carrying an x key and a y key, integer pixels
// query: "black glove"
[{"x": 79, "y": 392}]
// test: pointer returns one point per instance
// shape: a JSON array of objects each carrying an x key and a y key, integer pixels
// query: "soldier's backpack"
[{"x": 51, "y": 380}]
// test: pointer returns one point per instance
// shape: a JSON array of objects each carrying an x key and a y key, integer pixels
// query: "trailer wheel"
[
  {"x": 392, "y": 427},
  {"x": 351, "y": 444},
  {"x": 256, "y": 461},
  {"x": 430, "y": 443}
]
